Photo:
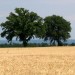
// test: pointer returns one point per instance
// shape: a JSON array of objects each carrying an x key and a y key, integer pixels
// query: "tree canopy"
[
  {"x": 57, "y": 29},
  {"x": 22, "y": 24}
]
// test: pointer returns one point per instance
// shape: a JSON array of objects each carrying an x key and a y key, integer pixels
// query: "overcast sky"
[{"x": 44, "y": 8}]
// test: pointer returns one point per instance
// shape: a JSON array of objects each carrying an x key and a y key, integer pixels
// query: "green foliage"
[
  {"x": 22, "y": 24},
  {"x": 57, "y": 29},
  {"x": 20, "y": 45},
  {"x": 10, "y": 45}
]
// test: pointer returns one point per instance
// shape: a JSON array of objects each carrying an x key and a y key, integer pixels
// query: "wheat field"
[{"x": 37, "y": 61}]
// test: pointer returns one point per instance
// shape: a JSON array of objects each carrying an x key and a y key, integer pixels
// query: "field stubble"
[{"x": 37, "y": 61}]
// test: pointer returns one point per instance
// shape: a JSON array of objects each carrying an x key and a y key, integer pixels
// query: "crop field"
[{"x": 37, "y": 61}]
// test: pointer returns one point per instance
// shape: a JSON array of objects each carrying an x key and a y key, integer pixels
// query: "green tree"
[
  {"x": 57, "y": 29},
  {"x": 22, "y": 24}
]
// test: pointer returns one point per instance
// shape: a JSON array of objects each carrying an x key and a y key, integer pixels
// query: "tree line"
[{"x": 25, "y": 25}]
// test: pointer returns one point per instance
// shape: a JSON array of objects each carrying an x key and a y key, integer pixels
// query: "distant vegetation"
[
  {"x": 24, "y": 25},
  {"x": 29, "y": 45},
  {"x": 32, "y": 45}
]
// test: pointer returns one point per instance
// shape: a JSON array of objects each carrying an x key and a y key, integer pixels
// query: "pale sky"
[{"x": 43, "y": 8}]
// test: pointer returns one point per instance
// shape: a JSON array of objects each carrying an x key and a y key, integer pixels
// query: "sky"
[{"x": 43, "y": 8}]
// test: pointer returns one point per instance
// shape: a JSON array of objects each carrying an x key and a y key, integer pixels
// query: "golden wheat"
[{"x": 37, "y": 61}]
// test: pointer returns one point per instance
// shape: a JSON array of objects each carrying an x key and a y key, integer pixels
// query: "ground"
[{"x": 37, "y": 61}]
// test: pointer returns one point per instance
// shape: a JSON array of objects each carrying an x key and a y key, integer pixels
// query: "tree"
[
  {"x": 22, "y": 24},
  {"x": 57, "y": 29}
]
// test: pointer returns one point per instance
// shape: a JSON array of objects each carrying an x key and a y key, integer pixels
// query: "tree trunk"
[
  {"x": 24, "y": 43},
  {"x": 59, "y": 43}
]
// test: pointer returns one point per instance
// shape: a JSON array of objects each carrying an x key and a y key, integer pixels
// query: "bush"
[{"x": 29, "y": 45}]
